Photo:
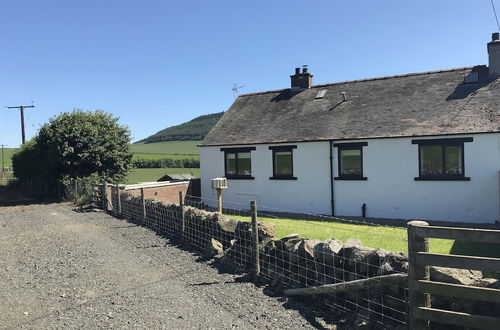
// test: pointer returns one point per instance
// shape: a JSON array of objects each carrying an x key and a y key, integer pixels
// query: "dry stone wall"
[{"x": 295, "y": 261}]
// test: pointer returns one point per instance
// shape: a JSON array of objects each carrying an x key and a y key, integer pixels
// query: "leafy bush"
[{"x": 76, "y": 145}]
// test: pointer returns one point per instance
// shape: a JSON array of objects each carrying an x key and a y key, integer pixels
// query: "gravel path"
[{"x": 64, "y": 269}]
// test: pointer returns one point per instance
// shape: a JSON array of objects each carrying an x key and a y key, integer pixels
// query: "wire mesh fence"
[
  {"x": 285, "y": 250},
  {"x": 304, "y": 250}
]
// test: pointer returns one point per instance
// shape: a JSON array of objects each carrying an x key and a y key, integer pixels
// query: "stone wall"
[{"x": 295, "y": 261}]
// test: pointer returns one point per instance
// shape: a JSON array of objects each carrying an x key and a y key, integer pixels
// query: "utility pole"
[
  {"x": 3, "y": 167},
  {"x": 21, "y": 110}
]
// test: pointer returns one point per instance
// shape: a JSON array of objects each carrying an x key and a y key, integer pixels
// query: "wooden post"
[
  {"x": 363, "y": 284},
  {"x": 183, "y": 216},
  {"x": 143, "y": 202},
  {"x": 103, "y": 196},
  {"x": 255, "y": 230},
  {"x": 75, "y": 190},
  {"x": 118, "y": 199},
  {"x": 417, "y": 272},
  {"x": 219, "y": 200}
]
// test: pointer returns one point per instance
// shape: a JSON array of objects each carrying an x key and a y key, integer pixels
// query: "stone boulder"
[
  {"x": 306, "y": 248},
  {"x": 325, "y": 252},
  {"x": 455, "y": 276},
  {"x": 214, "y": 249},
  {"x": 225, "y": 223},
  {"x": 349, "y": 246},
  {"x": 266, "y": 230},
  {"x": 393, "y": 262}
]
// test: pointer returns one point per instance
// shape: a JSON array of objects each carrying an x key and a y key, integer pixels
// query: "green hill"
[{"x": 195, "y": 129}]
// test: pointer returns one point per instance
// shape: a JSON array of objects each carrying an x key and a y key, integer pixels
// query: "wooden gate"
[{"x": 421, "y": 287}]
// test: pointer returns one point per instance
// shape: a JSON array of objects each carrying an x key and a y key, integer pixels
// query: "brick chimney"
[
  {"x": 494, "y": 56},
  {"x": 301, "y": 80}
]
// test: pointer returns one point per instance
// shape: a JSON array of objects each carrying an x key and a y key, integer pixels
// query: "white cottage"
[{"x": 413, "y": 146}]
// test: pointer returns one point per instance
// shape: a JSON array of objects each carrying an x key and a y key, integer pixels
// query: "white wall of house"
[
  {"x": 389, "y": 192},
  {"x": 310, "y": 193}
]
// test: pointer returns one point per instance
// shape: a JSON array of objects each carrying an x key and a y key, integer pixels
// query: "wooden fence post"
[
  {"x": 219, "y": 200},
  {"x": 183, "y": 216},
  {"x": 118, "y": 200},
  {"x": 143, "y": 203},
  {"x": 75, "y": 190},
  {"x": 415, "y": 273},
  {"x": 103, "y": 196},
  {"x": 255, "y": 231}
]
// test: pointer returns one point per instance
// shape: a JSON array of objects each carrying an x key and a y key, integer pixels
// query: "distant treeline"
[{"x": 167, "y": 162}]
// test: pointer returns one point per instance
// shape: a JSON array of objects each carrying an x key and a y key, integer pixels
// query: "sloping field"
[{"x": 168, "y": 148}]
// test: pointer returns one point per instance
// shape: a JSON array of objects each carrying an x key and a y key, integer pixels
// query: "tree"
[{"x": 79, "y": 144}]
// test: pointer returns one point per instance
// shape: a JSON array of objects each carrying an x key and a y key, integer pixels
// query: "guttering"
[{"x": 345, "y": 139}]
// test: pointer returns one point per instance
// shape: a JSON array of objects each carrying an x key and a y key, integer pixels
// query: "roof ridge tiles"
[{"x": 365, "y": 79}]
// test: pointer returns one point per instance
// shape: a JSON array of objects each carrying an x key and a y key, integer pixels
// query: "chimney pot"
[{"x": 301, "y": 80}]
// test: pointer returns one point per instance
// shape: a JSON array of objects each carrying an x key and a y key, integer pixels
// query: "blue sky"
[{"x": 159, "y": 63}]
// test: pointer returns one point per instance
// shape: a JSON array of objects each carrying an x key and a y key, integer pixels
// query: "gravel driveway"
[{"x": 64, "y": 269}]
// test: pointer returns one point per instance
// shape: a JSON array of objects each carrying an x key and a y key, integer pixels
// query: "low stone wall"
[{"x": 295, "y": 261}]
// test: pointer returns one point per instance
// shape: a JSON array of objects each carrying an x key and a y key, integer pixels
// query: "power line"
[
  {"x": 495, "y": 12},
  {"x": 21, "y": 110}
]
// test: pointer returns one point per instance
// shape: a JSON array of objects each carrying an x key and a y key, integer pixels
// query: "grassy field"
[
  {"x": 4, "y": 176},
  {"x": 389, "y": 238},
  {"x": 162, "y": 156},
  {"x": 7, "y": 154},
  {"x": 168, "y": 148},
  {"x": 153, "y": 174}
]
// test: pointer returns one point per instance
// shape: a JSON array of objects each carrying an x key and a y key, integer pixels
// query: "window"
[
  {"x": 441, "y": 159},
  {"x": 282, "y": 162},
  {"x": 350, "y": 161},
  {"x": 237, "y": 163}
]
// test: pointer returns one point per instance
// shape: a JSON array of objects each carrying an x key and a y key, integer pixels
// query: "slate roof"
[{"x": 418, "y": 104}]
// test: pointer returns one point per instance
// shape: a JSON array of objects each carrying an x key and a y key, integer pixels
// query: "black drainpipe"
[{"x": 331, "y": 178}]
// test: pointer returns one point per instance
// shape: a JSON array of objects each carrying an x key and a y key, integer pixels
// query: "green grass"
[
  {"x": 153, "y": 174},
  {"x": 389, "y": 238},
  {"x": 7, "y": 155},
  {"x": 5, "y": 175},
  {"x": 162, "y": 156},
  {"x": 168, "y": 148}
]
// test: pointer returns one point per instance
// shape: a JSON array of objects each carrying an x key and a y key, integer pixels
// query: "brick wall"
[{"x": 168, "y": 194}]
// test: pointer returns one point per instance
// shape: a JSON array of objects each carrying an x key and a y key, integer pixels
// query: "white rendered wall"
[
  {"x": 390, "y": 191},
  {"x": 310, "y": 193}
]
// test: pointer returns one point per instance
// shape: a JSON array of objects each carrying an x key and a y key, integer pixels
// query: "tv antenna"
[
  {"x": 21, "y": 110},
  {"x": 495, "y": 12},
  {"x": 235, "y": 89}
]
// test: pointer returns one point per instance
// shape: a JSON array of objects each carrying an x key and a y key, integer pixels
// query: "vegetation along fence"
[{"x": 335, "y": 264}]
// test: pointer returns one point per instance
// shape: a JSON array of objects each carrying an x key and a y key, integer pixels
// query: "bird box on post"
[{"x": 219, "y": 184}]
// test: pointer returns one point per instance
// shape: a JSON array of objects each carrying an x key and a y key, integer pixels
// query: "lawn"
[
  {"x": 153, "y": 174},
  {"x": 168, "y": 148},
  {"x": 375, "y": 236}
]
